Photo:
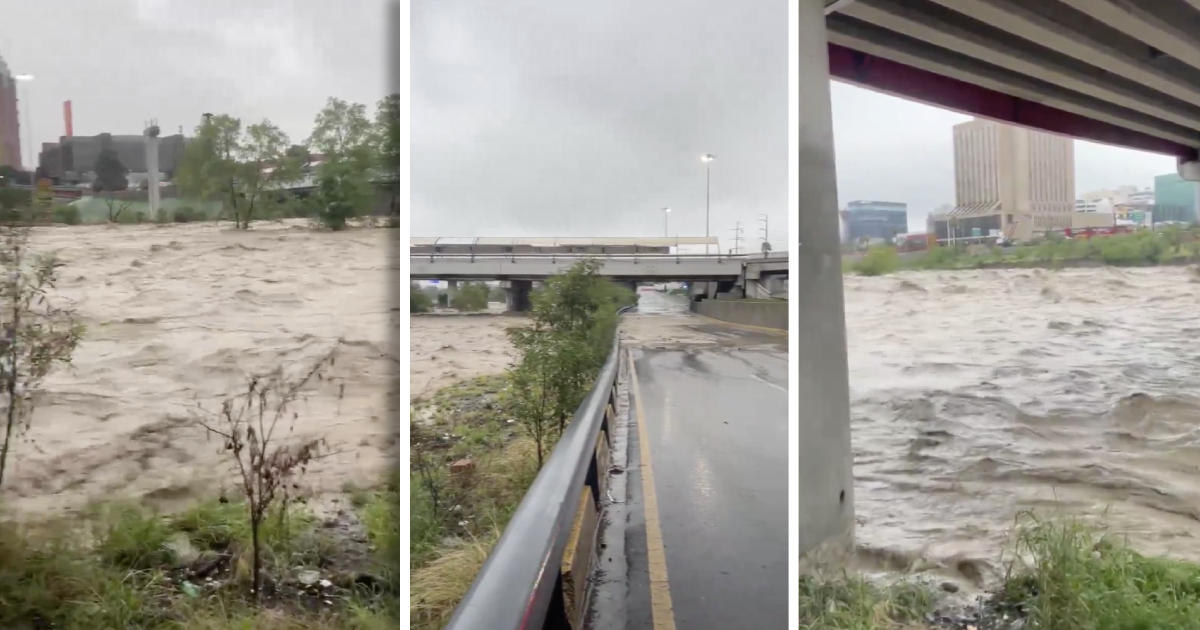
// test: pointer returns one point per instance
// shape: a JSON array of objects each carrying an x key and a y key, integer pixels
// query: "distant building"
[
  {"x": 72, "y": 158},
  {"x": 1009, "y": 180},
  {"x": 874, "y": 220},
  {"x": 1176, "y": 199},
  {"x": 10, "y": 126}
]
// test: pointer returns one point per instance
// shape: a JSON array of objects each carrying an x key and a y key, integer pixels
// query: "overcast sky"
[
  {"x": 570, "y": 118},
  {"x": 122, "y": 62}
]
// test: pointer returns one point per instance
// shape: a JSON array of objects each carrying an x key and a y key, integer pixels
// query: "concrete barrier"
[{"x": 746, "y": 312}]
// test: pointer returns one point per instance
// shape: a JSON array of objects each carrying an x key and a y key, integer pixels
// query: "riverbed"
[{"x": 177, "y": 316}]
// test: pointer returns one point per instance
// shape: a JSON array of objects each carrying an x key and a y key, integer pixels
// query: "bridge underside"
[{"x": 1121, "y": 72}]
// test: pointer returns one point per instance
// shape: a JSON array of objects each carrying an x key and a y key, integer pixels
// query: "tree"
[
  {"x": 574, "y": 320},
  {"x": 250, "y": 167},
  {"x": 35, "y": 335},
  {"x": 471, "y": 297},
  {"x": 111, "y": 177},
  {"x": 418, "y": 301},
  {"x": 344, "y": 136},
  {"x": 387, "y": 145}
]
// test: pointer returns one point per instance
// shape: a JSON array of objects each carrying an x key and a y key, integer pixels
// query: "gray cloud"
[
  {"x": 121, "y": 62},
  {"x": 566, "y": 118}
]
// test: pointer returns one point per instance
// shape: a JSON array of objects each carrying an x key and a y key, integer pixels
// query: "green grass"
[
  {"x": 1063, "y": 575},
  {"x": 120, "y": 566},
  {"x": 455, "y": 519},
  {"x": 1142, "y": 248}
]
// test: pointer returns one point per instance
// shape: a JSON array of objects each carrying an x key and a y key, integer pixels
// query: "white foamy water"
[
  {"x": 177, "y": 315},
  {"x": 978, "y": 394}
]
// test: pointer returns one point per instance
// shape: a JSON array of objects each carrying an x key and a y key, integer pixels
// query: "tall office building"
[
  {"x": 1013, "y": 180},
  {"x": 10, "y": 128}
]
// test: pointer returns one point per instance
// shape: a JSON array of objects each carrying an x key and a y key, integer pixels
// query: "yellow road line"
[
  {"x": 764, "y": 329},
  {"x": 662, "y": 613}
]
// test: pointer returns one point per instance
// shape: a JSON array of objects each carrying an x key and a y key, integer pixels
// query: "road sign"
[
  {"x": 434, "y": 281},
  {"x": 976, "y": 232},
  {"x": 1137, "y": 217}
]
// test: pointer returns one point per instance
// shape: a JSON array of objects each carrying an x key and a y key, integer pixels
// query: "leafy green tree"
[
  {"x": 574, "y": 320},
  {"x": 387, "y": 145},
  {"x": 111, "y": 177},
  {"x": 343, "y": 135},
  {"x": 250, "y": 167}
]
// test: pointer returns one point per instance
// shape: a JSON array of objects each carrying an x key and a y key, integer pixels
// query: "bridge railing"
[
  {"x": 678, "y": 258},
  {"x": 536, "y": 577}
]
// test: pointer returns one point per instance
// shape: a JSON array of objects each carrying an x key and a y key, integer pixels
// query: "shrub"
[
  {"x": 471, "y": 297},
  {"x": 418, "y": 302},
  {"x": 68, "y": 215},
  {"x": 187, "y": 214},
  {"x": 879, "y": 260}
]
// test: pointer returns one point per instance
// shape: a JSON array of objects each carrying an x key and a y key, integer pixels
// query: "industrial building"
[
  {"x": 10, "y": 126},
  {"x": 71, "y": 158}
]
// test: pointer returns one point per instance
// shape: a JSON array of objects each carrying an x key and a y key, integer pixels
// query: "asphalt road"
[{"x": 715, "y": 419}]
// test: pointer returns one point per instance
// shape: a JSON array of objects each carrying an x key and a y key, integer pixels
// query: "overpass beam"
[{"x": 826, "y": 483}]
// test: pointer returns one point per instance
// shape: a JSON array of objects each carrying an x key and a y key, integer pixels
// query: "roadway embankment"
[{"x": 758, "y": 313}]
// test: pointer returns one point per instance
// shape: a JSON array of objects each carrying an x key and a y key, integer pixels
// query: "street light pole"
[
  {"x": 666, "y": 216},
  {"x": 26, "y": 78},
  {"x": 707, "y": 158}
]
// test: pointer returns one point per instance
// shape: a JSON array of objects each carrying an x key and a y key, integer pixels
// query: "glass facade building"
[
  {"x": 1176, "y": 199},
  {"x": 874, "y": 220}
]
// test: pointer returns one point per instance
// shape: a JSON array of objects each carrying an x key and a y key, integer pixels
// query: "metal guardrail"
[
  {"x": 554, "y": 257},
  {"x": 521, "y": 586}
]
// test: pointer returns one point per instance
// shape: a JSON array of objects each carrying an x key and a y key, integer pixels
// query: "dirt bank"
[{"x": 176, "y": 315}]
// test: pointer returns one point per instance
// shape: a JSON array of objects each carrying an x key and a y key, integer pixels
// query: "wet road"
[{"x": 715, "y": 421}]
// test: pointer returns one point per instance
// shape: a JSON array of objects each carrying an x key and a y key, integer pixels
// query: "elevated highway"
[
  {"x": 1120, "y": 72},
  {"x": 747, "y": 275}
]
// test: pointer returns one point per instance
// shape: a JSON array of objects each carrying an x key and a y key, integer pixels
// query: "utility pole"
[
  {"x": 707, "y": 158},
  {"x": 766, "y": 234},
  {"x": 737, "y": 238}
]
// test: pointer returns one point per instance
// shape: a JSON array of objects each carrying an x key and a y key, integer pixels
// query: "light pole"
[
  {"x": 766, "y": 234},
  {"x": 25, "y": 78},
  {"x": 666, "y": 215},
  {"x": 707, "y": 158}
]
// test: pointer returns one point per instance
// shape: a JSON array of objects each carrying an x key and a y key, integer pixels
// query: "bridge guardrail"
[
  {"x": 522, "y": 585},
  {"x": 553, "y": 257}
]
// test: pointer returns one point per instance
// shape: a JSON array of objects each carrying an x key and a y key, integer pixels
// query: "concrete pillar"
[
  {"x": 517, "y": 295},
  {"x": 451, "y": 291},
  {"x": 826, "y": 483}
]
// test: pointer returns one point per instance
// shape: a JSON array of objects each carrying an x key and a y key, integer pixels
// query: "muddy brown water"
[
  {"x": 979, "y": 394},
  {"x": 177, "y": 316}
]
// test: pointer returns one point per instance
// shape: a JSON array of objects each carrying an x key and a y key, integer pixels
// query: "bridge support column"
[
  {"x": 517, "y": 295},
  {"x": 631, "y": 285},
  {"x": 826, "y": 482},
  {"x": 451, "y": 291}
]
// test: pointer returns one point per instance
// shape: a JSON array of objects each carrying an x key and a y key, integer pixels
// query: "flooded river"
[
  {"x": 177, "y": 316},
  {"x": 978, "y": 394}
]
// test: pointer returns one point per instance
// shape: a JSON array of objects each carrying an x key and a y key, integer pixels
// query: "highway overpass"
[
  {"x": 1120, "y": 72},
  {"x": 755, "y": 275}
]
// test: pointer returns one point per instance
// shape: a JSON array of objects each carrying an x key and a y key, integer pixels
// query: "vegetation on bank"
[
  {"x": 478, "y": 445},
  {"x": 1172, "y": 245},
  {"x": 1063, "y": 575}
]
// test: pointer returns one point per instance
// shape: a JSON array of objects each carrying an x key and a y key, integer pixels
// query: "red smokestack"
[{"x": 67, "y": 118}]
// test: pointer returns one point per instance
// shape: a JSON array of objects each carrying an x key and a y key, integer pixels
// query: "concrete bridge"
[
  {"x": 752, "y": 276},
  {"x": 1119, "y": 72}
]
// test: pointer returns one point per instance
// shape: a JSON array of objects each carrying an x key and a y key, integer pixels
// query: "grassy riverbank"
[
  {"x": 1066, "y": 576},
  {"x": 471, "y": 464},
  {"x": 123, "y": 566},
  {"x": 1171, "y": 246}
]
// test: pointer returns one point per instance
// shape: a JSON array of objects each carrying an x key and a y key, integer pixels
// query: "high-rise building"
[
  {"x": 1175, "y": 199},
  {"x": 10, "y": 127},
  {"x": 1010, "y": 180},
  {"x": 874, "y": 220}
]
